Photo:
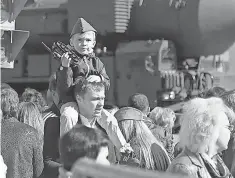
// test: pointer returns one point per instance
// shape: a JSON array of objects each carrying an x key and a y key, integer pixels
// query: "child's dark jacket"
[{"x": 82, "y": 66}]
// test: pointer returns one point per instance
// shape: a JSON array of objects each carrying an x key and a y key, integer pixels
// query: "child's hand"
[
  {"x": 94, "y": 78},
  {"x": 65, "y": 60}
]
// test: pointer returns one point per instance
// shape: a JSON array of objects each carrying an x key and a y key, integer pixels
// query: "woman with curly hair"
[
  {"x": 205, "y": 131},
  {"x": 32, "y": 95}
]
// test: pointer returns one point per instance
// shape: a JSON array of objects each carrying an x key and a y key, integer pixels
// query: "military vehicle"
[{"x": 169, "y": 50}]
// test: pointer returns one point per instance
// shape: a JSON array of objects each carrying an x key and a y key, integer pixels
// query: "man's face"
[
  {"x": 83, "y": 43},
  {"x": 91, "y": 104}
]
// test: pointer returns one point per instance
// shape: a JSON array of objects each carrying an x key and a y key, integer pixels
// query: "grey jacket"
[
  {"x": 189, "y": 164},
  {"x": 21, "y": 150}
]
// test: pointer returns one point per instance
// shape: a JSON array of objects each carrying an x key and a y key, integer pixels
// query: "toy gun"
[{"x": 59, "y": 48}]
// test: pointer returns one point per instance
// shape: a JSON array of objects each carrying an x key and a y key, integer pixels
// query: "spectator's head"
[
  {"x": 83, "y": 142},
  {"x": 9, "y": 103},
  {"x": 214, "y": 92},
  {"x": 52, "y": 95},
  {"x": 206, "y": 125},
  {"x": 111, "y": 108},
  {"x": 139, "y": 101},
  {"x": 29, "y": 114},
  {"x": 229, "y": 99},
  {"x": 164, "y": 117},
  {"x": 32, "y": 95},
  {"x": 90, "y": 98}
]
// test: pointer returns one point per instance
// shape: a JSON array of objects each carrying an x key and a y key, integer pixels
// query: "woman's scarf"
[{"x": 221, "y": 172}]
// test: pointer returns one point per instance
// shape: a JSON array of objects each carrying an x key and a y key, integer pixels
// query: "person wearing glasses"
[{"x": 206, "y": 127}]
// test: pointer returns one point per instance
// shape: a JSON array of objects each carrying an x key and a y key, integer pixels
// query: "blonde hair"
[
  {"x": 138, "y": 130},
  {"x": 162, "y": 116},
  {"x": 29, "y": 113},
  {"x": 81, "y": 35},
  {"x": 200, "y": 122}
]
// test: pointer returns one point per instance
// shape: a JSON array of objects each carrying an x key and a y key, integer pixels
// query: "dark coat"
[
  {"x": 78, "y": 69},
  {"x": 51, "y": 143},
  {"x": 21, "y": 150}
]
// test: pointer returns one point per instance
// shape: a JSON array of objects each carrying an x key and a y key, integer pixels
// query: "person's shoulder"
[
  {"x": 29, "y": 129},
  {"x": 159, "y": 151},
  {"x": 183, "y": 165},
  {"x": 182, "y": 159},
  {"x": 97, "y": 59},
  {"x": 183, "y": 169},
  {"x": 25, "y": 131},
  {"x": 15, "y": 124}
]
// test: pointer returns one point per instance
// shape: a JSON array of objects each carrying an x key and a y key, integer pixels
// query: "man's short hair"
[
  {"x": 82, "y": 86},
  {"x": 80, "y": 142},
  {"x": 139, "y": 101},
  {"x": 9, "y": 103}
]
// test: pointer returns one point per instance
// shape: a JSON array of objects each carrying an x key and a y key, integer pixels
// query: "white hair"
[{"x": 200, "y": 122}]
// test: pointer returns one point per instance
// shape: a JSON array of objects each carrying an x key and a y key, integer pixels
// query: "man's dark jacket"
[{"x": 51, "y": 142}]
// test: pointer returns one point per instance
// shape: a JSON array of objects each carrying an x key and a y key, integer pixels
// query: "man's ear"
[
  {"x": 79, "y": 98},
  {"x": 94, "y": 43}
]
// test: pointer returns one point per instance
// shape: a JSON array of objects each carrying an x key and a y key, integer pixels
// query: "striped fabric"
[{"x": 49, "y": 114}]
